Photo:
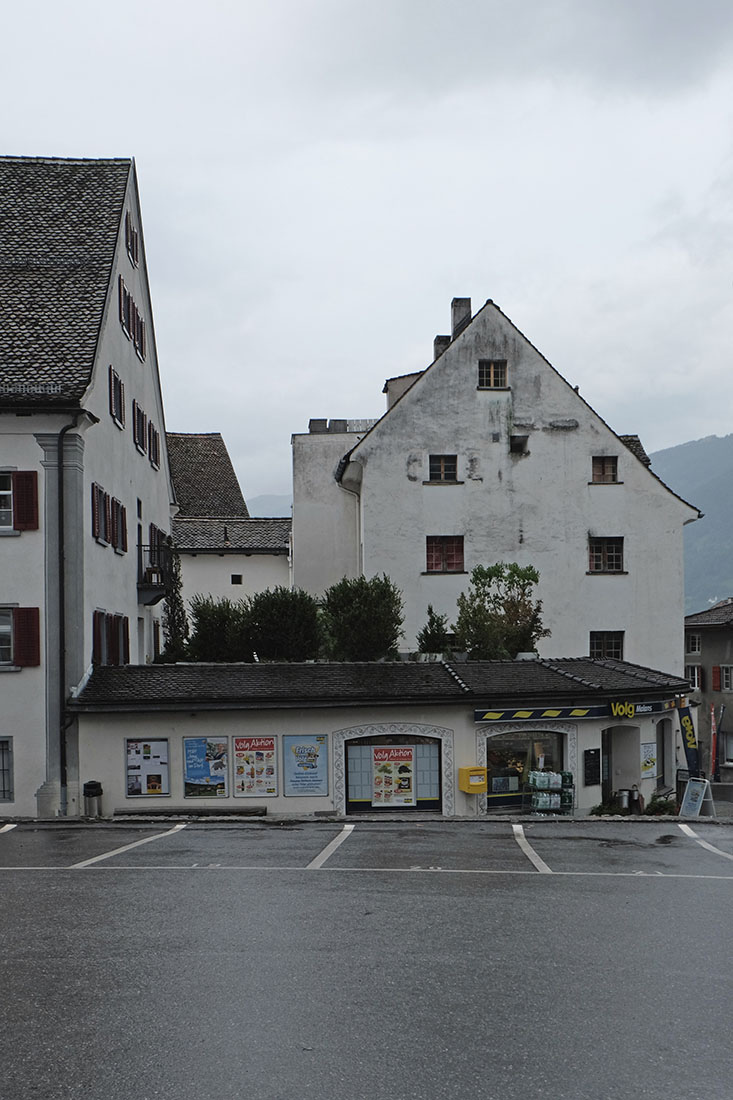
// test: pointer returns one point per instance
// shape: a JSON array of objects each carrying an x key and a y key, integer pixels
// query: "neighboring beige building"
[
  {"x": 85, "y": 492},
  {"x": 224, "y": 552},
  {"x": 490, "y": 455}
]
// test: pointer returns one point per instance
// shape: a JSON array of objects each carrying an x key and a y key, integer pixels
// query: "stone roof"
[
  {"x": 59, "y": 223},
  {"x": 271, "y": 536},
  {"x": 636, "y": 447},
  {"x": 241, "y": 686},
  {"x": 203, "y": 477},
  {"x": 719, "y": 615}
]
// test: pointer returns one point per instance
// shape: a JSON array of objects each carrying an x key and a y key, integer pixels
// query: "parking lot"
[{"x": 374, "y": 960}]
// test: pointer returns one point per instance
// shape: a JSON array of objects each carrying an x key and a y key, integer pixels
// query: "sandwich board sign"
[{"x": 697, "y": 799}]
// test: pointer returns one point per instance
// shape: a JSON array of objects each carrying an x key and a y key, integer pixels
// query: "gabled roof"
[
  {"x": 242, "y": 686},
  {"x": 268, "y": 536},
  {"x": 719, "y": 615},
  {"x": 59, "y": 222},
  {"x": 204, "y": 480}
]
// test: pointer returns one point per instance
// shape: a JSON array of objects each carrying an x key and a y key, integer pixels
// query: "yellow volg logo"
[{"x": 623, "y": 710}]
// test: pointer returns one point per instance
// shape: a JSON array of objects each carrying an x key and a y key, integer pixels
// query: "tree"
[
  {"x": 220, "y": 630},
  {"x": 284, "y": 625},
  {"x": 497, "y": 617},
  {"x": 362, "y": 619},
  {"x": 175, "y": 620},
  {"x": 433, "y": 638}
]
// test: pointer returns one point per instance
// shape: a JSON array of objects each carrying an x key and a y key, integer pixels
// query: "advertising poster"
[
  {"x": 648, "y": 760},
  {"x": 393, "y": 775},
  {"x": 205, "y": 768},
  {"x": 255, "y": 767},
  {"x": 305, "y": 765},
  {"x": 147, "y": 768}
]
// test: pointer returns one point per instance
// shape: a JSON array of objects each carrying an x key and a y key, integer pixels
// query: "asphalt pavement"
[{"x": 368, "y": 961}]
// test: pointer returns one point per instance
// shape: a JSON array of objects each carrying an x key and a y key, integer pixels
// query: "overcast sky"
[{"x": 320, "y": 177}]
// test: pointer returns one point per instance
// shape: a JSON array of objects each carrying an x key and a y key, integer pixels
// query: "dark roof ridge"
[
  {"x": 551, "y": 664},
  {"x": 455, "y": 675}
]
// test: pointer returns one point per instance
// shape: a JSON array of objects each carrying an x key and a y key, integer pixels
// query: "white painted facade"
[
  {"x": 96, "y": 577},
  {"x": 367, "y": 504},
  {"x": 211, "y": 573}
]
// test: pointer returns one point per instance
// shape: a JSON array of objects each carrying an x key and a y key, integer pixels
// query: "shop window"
[
  {"x": 607, "y": 645},
  {"x": 492, "y": 374},
  {"x": 6, "y": 769},
  {"x": 605, "y": 555},
  {"x": 444, "y": 554},
  {"x": 443, "y": 467},
  {"x": 18, "y": 500},
  {"x": 510, "y": 757},
  {"x": 605, "y": 469}
]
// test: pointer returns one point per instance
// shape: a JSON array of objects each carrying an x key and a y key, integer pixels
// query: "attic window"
[
  {"x": 518, "y": 445},
  {"x": 492, "y": 374},
  {"x": 443, "y": 467},
  {"x": 132, "y": 240},
  {"x": 605, "y": 469}
]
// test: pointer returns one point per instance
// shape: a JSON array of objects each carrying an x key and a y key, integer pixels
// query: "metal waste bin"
[
  {"x": 92, "y": 798},
  {"x": 623, "y": 800}
]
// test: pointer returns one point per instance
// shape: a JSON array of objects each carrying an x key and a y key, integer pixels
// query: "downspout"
[{"x": 64, "y": 720}]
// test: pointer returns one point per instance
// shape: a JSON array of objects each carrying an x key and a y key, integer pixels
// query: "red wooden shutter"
[
  {"x": 123, "y": 528},
  {"x": 111, "y": 390},
  {"x": 95, "y": 511},
  {"x": 25, "y": 500},
  {"x": 125, "y": 640},
  {"x": 122, "y": 403},
  {"x": 26, "y": 637},
  {"x": 107, "y": 517},
  {"x": 716, "y": 677},
  {"x": 97, "y": 637}
]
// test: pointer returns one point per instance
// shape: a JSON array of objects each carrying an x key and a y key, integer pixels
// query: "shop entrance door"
[{"x": 393, "y": 774}]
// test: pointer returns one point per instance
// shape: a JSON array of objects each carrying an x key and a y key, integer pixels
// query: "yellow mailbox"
[{"x": 472, "y": 780}]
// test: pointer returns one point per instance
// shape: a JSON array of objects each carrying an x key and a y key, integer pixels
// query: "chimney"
[
  {"x": 440, "y": 343},
  {"x": 460, "y": 315}
]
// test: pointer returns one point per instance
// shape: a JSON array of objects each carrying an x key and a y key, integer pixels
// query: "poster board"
[
  {"x": 649, "y": 760},
  {"x": 305, "y": 764},
  {"x": 393, "y": 775},
  {"x": 255, "y": 767},
  {"x": 146, "y": 768},
  {"x": 205, "y": 767},
  {"x": 697, "y": 799}
]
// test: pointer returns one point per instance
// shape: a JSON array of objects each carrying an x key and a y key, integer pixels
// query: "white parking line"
[
  {"x": 703, "y": 843},
  {"x": 330, "y": 848},
  {"x": 529, "y": 851},
  {"x": 126, "y": 848},
  {"x": 6, "y": 828}
]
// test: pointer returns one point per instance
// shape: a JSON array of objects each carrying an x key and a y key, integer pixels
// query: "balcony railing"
[{"x": 153, "y": 572}]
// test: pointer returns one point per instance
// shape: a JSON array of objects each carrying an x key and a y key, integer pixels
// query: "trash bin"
[
  {"x": 92, "y": 798},
  {"x": 623, "y": 801}
]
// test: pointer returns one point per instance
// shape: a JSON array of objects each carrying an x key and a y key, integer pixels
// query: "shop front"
[{"x": 513, "y": 759}]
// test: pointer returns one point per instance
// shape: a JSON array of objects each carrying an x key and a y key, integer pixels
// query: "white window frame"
[
  {"x": 694, "y": 643},
  {"x": 693, "y": 673},
  {"x": 726, "y": 677},
  {"x": 6, "y": 649}
]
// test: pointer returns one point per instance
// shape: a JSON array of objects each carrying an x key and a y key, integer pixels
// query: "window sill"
[
  {"x": 119, "y": 423},
  {"x": 606, "y": 572},
  {"x": 494, "y": 389},
  {"x": 9, "y": 534},
  {"x": 443, "y": 572},
  {"x": 10, "y": 668},
  {"x": 444, "y": 481},
  {"x": 605, "y": 482},
  {"x": 100, "y": 541}
]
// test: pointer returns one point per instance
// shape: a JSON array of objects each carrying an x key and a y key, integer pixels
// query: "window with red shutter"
[
  {"x": 26, "y": 637},
  {"x": 716, "y": 677}
]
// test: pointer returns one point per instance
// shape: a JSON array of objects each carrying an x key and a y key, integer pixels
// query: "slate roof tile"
[
  {"x": 222, "y": 534},
  {"x": 721, "y": 614},
  {"x": 59, "y": 223},
  {"x": 203, "y": 476}
]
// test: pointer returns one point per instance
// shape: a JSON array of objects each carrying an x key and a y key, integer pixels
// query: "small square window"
[
  {"x": 236, "y": 578},
  {"x": 605, "y": 555},
  {"x": 605, "y": 469},
  {"x": 492, "y": 374},
  {"x": 607, "y": 645},
  {"x": 444, "y": 554},
  {"x": 443, "y": 467}
]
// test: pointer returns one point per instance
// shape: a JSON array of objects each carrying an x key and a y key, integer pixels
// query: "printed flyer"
[
  {"x": 205, "y": 768},
  {"x": 393, "y": 775},
  {"x": 648, "y": 760},
  {"x": 255, "y": 767},
  {"x": 147, "y": 768},
  {"x": 305, "y": 765}
]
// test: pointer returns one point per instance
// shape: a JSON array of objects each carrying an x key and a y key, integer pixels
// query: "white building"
[
  {"x": 224, "y": 552},
  {"x": 490, "y": 455},
  {"x": 85, "y": 493}
]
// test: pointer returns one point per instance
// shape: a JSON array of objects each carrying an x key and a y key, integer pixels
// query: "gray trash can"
[
  {"x": 623, "y": 800},
  {"x": 92, "y": 798}
]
